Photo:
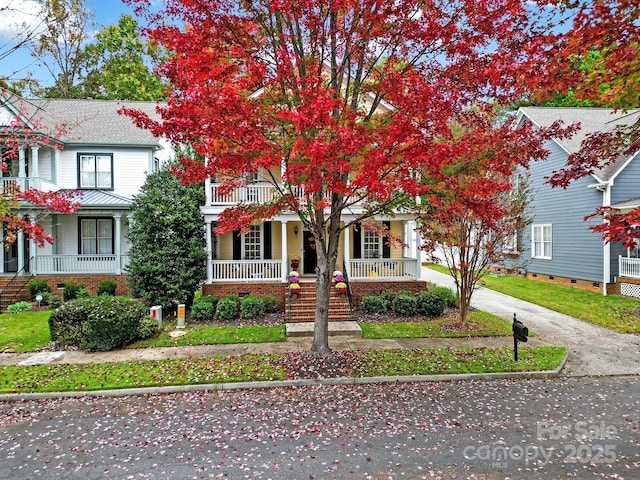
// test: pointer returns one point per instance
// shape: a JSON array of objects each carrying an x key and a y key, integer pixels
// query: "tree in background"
[
  {"x": 351, "y": 97},
  {"x": 118, "y": 64},
  {"x": 60, "y": 46},
  {"x": 478, "y": 196},
  {"x": 604, "y": 36},
  {"x": 167, "y": 255}
]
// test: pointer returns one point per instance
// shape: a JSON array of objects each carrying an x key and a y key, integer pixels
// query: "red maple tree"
[
  {"x": 22, "y": 210},
  {"x": 351, "y": 97},
  {"x": 610, "y": 28}
]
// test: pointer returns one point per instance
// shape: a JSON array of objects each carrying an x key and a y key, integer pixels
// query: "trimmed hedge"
[
  {"x": 405, "y": 305},
  {"x": 227, "y": 308},
  {"x": 430, "y": 304},
  {"x": 447, "y": 295},
  {"x": 375, "y": 304},
  {"x": 100, "y": 324},
  {"x": 251, "y": 307}
]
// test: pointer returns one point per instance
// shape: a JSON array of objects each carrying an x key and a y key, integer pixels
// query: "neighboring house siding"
[
  {"x": 626, "y": 185},
  {"x": 576, "y": 250}
]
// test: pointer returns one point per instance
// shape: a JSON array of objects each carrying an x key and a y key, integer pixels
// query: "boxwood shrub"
[
  {"x": 374, "y": 304},
  {"x": 202, "y": 310},
  {"x": 430, "y": 304},
  {"x": 271, "y": 304},
  {"x": 251, "y": 307},
  {"x": 38, "y": 286},
  {"x": 404, "y": 305},
  {"x": 227, "y": 308}
]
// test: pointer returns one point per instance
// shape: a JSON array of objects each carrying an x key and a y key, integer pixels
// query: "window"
[
  {"x": 372, "y": 244},
  {"x": 95, "y": 170},
  {"x": 252, "y": 243},
  {"x": 96, "y": 236},
  {"x": 541, "y": 241}
]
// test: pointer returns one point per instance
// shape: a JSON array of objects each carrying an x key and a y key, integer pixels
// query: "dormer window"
[{"x": 95, "y": 170}]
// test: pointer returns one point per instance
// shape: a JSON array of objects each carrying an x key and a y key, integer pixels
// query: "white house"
[{"x": 102, "y": 156}]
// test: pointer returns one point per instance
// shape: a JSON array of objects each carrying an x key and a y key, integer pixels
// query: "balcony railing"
[
  {"x": 246, "y": 270},
  {"x": 50, "y": 264},
  {"x": 629, "y": 267},
  {"x": 252, "y": 194},
  {"x": 383, "y": 268}
]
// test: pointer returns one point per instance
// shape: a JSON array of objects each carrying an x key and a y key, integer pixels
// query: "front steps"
[{"x": 302, "y": 309}]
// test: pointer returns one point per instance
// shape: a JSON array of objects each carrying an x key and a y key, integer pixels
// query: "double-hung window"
[
  {"x": 372, "y": 244},
  {"x": 541, "y": 241},
  {"x": 95, "y": 170},
  {"x": 96, "y": 236},
  {"x": 252, "y": 243}
]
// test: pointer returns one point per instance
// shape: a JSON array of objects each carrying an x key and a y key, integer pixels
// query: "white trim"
[{"x": 541, "y": 227}]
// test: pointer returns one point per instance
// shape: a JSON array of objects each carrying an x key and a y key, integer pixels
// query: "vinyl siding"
[{"x": 577, "y": 252}]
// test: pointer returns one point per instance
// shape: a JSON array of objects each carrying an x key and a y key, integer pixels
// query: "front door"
[{"x": 309, "y": 255}]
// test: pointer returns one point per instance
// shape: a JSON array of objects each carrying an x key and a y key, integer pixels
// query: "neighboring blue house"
[{"x": 558, "y": 246}]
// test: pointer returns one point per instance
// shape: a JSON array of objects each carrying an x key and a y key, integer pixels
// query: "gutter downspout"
[{"x": 606, "y": 270}]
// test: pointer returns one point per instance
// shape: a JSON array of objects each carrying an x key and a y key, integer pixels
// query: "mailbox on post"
[{"x": 520, "y": 334}]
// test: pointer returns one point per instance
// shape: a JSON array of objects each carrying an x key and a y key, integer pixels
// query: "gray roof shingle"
[
  {"x": 591, "y": 120},
  {"x": 90, "y": 121}
]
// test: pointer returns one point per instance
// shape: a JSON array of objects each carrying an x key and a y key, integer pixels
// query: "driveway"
[{"x": 593, "y": 350}]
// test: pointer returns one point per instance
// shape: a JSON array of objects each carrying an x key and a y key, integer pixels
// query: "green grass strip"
[
  {"x": 484, "y": 325},
  {"x": 24, "y": 332},
  {"x": 207, "y": 335},
  {"x": 614, "y": 312},
  {"x": 267, "y": 367}
]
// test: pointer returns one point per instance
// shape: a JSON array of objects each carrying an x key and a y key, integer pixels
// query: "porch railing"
[
  {"x": 629, "y": 267},
  {"x": 49, "y": 264},
  {"x": 382, "y": 268},
  {"x": 246, "y": 270},
  {"x": 251, "y": 193}
]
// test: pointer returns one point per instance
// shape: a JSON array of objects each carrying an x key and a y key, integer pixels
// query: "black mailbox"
[{"x": 520, "y": 332}]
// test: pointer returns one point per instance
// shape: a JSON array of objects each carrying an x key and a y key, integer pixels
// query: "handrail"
[
  {"x": 346, "y": 280},
  {"x": 13, "y": 279}
]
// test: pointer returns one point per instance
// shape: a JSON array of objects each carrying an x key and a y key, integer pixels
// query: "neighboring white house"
[{"x": 104, "y": 157}]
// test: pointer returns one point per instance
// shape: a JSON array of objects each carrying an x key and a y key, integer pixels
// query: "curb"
[{"x": 217, "y": 387}]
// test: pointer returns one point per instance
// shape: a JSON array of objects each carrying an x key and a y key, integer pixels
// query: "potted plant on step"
[
  {"x": 341, "y": 287},
  {"x": 294, "y": 290}
]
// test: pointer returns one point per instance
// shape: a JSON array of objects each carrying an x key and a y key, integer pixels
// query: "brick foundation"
[
  {"x": 90, "y": 282},
  {"x": 359, "y": 288}
]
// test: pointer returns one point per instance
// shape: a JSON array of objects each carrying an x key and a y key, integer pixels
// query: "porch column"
[
  {"x": 33, "y": 252},
  {"x": 347, "y": 252},
  {"x": 209, "y": 243},
  {"x": 207, "y": 191},
  {"x": 20, "y": 243},
  {"x": 34, "y": 167},
  {"x": 418, "y": 254},
  {"x": 285, "y": 263},
  {"x": 117, "y": 217},
  {"x": 22, "y": 163}
]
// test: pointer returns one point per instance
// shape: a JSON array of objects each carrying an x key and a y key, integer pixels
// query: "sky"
[{"x": 15, "y": 14}]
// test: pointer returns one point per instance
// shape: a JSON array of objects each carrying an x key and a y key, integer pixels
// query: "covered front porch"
[{"x": 268, "y": 252}]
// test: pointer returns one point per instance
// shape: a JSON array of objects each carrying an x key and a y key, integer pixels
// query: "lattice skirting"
[{"x": 630, "y": 290}]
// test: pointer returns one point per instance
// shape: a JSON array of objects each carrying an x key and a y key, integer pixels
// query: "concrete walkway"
[{"x": 592, "y": 350}]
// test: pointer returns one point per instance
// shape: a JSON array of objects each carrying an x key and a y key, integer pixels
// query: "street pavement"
[{"x": 578, "y": 427}]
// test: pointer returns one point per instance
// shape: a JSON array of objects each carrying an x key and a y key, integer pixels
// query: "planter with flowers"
[
  {"x": 295, "y": 261},
  {"x": 341, "y": 287},
  {"x": 294, "y": 290}
]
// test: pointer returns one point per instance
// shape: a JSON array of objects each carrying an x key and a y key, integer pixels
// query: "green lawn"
[
  {"x": 615, "y": 312},
  {"x": 484, "y": 325},
  {"x": 267, "y": 367},
  {"x": 201, "y": 335},
  {"x": 24, "y": 332}
]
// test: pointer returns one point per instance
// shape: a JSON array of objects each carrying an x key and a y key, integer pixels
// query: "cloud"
[{"x": 19, "y": 17}]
